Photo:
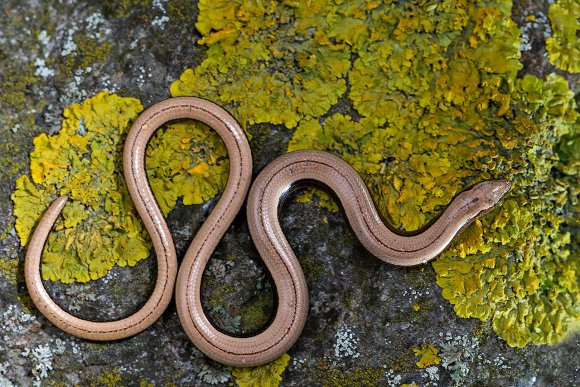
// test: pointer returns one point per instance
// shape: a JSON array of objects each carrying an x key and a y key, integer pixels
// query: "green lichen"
[
  {"x": 216, "y": 297},
  {"x": 108, "y": 378},
  {"x": 9, "y": 165},
  {"x": 181, "y": 10},
  {"x": 367, "y": 377},
  {"x": 267, "y": 375},
  {"x": 9, "y": 269},
  {"x": 123, "y": 9},
  {"x": 15, "y": 103},
  {"x": 313, "y": 269},
  {"x": 256, "y": 313},
  {"x": 88, "y": 52},
  {"x": 564, "y": 46}
]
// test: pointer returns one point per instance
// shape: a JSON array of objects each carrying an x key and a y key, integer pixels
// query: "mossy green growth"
[
  {"x": 9, "y": 269},
  {"x": 564, "y": 46},
  {"x": 123, "y": 9},
  {"x": 100, "y": 227},
  {"x": 10, "y": 166},
  {"x": 108, "y": 378},
  {"x": 440, "y": 108},
  {"x": 267, "y": 375},
  {"x": 367, "y": 377},
  {"x": 88, "y": 52},
  {"x": 16, "y": 83},
  {"x": 256, "y": 313}
]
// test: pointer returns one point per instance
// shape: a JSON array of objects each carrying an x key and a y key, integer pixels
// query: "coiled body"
[
  {"x": 268, "y": 190},
  {"x": 264, "y": 200},
  {"x": 136, "y": 178}
]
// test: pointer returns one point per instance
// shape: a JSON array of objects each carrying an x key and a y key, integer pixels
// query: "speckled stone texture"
[{"x": 365, "y": 316}]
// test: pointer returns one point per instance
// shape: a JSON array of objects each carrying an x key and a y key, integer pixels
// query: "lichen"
[
  {"x": 41, "y": 359},
  {"x": 100, "y": 227},
  {"x": 87, "y": 52},
  {"x": 269, "y": 52},
  {"x": 187, "y": 160},
  {"x": 267, "y": 375},
  {"x": 428, "y": 355},
  {"x": 525, "y": 278},
  {"x": 9, "y": 269},
  {"x": 17, "y": 107},
  {"x": 457, "y": 355},
  {"x": 357, "y": 377},
  {"x": 346, "y": 343},
  {"x": 564, "y": 46},
  {"x": 214, "y": 375},
  {"x": 440, "y": 107},
  {"x": 108, "y": 378},
  {"x": 256, "y": 313},
  {"x": 123, "y": 9}
]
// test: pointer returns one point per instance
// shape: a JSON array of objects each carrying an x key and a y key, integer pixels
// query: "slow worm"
[
  {"x": 136, "y": 178},
  {"x": 264, "y": 201},
  {"x": 268, "y": 191}
]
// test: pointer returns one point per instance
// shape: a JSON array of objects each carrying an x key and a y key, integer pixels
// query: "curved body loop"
[
  {"x": 264, "y": 200},
  {"x": 136, "y": 178}
]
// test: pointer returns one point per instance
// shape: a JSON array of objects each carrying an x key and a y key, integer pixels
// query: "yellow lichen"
[
  {"x": 428, "y": 354},
  {"x": 32, "y": 202},
  {"x": 365, "y": 377},
  {"x": 83, "y": 161},
  {"x": 267, "y": 375},
  {"x": 188, "y": 160},
  {"x": 108, "y": 378},
  {"x": 440, "y": 108},
  {"x": 99, "y": 226},
  {"x": 264, "y": 63},
  {"x": 564, "y": 46},
  {"x": 124, "y": 8}
]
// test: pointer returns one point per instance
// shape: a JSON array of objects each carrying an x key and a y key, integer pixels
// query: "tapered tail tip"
[{"x": 59, "y": 202}]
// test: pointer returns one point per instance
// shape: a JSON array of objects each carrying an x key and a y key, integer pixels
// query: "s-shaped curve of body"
[
  {"x": 136, "y": 178},
  {"x": 264, "y": 200}
]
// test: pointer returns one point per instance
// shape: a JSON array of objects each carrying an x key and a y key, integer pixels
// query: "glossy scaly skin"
[
  {"x": 136, "y": 178},
  {"x": 264, "y": 200},
  {"x": 268, "y": 190}
]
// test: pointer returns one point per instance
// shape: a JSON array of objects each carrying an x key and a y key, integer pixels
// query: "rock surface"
[{"x": 365, "y": 316}]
